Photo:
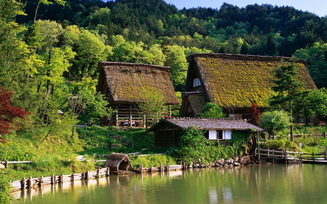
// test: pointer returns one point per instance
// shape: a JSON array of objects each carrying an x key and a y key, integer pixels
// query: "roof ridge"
[
  {"x": 131, "y": 64},
  {"x": 240, "y": 56}
]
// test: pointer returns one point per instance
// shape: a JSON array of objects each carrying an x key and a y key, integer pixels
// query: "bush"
[
  {"x": 152, "y": 160},
  {"x": 4, "y": 189},
  {"x": 280, "y": 144}
]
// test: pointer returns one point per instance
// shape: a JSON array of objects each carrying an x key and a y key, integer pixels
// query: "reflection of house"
[
  {"x": 122, "y": 84},
  {"x": 233, "y": 81},
  {"x": 168, "y": 131}
]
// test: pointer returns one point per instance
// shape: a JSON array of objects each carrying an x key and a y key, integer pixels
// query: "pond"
[{"x": 279, "y": 183}]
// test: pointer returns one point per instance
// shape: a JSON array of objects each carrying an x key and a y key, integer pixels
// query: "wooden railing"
[
  {"x": 291, "y": 156},
  {"x": 34, "y": 182}
]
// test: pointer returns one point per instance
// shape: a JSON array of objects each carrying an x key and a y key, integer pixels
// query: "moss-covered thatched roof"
[
  {"x": 237, "y": 81},
  {"x": 124, "y": 82}
]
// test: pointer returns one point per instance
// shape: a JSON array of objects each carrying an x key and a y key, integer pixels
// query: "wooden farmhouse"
[
  {"x": 123, "y": 85},
  {"x": 167, "y": 132},
  {"x": 233, "y": 81}
]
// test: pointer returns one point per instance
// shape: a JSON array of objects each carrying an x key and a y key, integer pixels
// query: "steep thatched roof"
[
  {"x": 123, "y": 82},
  {"x": 232, "y": 80},
  {"x": 208, "y": 124}
]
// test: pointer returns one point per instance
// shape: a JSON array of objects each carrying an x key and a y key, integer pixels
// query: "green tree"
[
  {"x": 151, "y": 104},
  {"x": 311, "y": 104},
  {"x": 212, "y": 110},
  {"x": 192, "y": 145},
  {"x": 176, "y": 60},
  {"x": 271, "y": 44},
  {"x": 316, "y": 57},
  {"x": 274, "y": 121},
  {"x": 287, "y": 88},
  {"x": 46, "y": 2}
]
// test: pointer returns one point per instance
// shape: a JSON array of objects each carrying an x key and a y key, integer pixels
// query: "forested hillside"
[
  {"x": 50, "y": 49},
  {"x": 153, "y": 25}
]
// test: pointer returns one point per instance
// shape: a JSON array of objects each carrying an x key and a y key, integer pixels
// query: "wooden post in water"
[
  {"x": 167, "y": 167},
  {"x": 52, "y": 179},
  {"x": 29, "y": 182},
  {"x": 108, "y": 171},
  {"x": 23, "y": 183},
  {"x": 259, "y": 156},
  {"x": 72, "y": 177},
  {"x": 40, "y": 181},
  {"x": 141, "y": 168},
  {"x": 60, "y": 178},
  {"x": 325, "y": 155},
  {"x": 98, "y": 173},
  {"x": 313, "y": 156}
]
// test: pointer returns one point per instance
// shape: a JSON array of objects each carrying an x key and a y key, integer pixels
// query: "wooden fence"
[
  {"x": 291, "y": 157},
  {"x": 6, "y": 163},
  {"x": 35, "y": 182}
]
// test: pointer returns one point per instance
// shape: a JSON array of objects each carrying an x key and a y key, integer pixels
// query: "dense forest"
[
  {"x": 133, "y": 29},
  {"x": 50, "y": 49}
]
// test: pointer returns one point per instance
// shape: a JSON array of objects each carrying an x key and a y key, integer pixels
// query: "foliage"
[
  {"x": 4, "y": 189},
  {"x": 280, "y": 144},
  {"x": 152, "y": 160},
  {"x": 254, "y": 114},
  {"x": 212, "y": 110},
  {"x": 287, "y": 87},
  {"x": 99, "y": 140},
  {"x": 274, "y": 121},
  {"x": 8, "y": 113},
  {"x": 316, "y": 59},
  {"x": 312, "y": 103},
  {"x": 151, "y": 104},
  {"x": 194, "y": 148}
]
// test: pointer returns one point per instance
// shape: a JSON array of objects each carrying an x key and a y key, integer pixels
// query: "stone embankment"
[{"x": 236, "y": 161}]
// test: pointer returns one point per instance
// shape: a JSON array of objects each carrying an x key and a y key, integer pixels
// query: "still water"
[{"x": 250, "y": 184}]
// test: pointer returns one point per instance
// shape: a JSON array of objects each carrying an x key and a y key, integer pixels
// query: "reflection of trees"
[{"x": 256, "y": 184}]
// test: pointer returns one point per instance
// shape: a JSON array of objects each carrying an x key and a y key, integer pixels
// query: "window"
[
  {"x": 212, "y": 135},
  {"x": 227, "y": 135},
  {"x": 196, "y": 82}
]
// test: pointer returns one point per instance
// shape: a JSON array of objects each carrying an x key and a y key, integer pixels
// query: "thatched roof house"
[
  {"x": 117, "y": 161},
  {"x": 233, "y": 81},
  {"x": 123, "y": 85},
  {"x": 168, "y": 131}
]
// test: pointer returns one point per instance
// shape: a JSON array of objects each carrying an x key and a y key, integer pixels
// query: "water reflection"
[{"x": 250, "y": 184}]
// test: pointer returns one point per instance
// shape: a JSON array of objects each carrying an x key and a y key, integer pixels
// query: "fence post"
[
  {"x": 108, "y": 171},
  {"x": 29, "y": 182},
  {"x": 259, "y": 156},
  {"x": 325, "y": 154},
  {"x": 161, "y": 167},
  {"x": 53, "y": 179},
  {"x": 40, "y": 181},
  {"x": 72, "y": 177},
  {"x": 23, "y": 183},
  {"x": 313, "y": 156},
  {"x": 141, "y": 168}
]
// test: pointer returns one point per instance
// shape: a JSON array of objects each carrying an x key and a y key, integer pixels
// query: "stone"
[
  {"x": 221, "y": 161},
  {"x": 2, "y": 166}
]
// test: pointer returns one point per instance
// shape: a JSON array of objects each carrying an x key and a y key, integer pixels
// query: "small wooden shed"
[{"x": 118, "y": 161}]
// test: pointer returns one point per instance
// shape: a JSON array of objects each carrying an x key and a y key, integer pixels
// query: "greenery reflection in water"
[{"x": 249, "y": 184}]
